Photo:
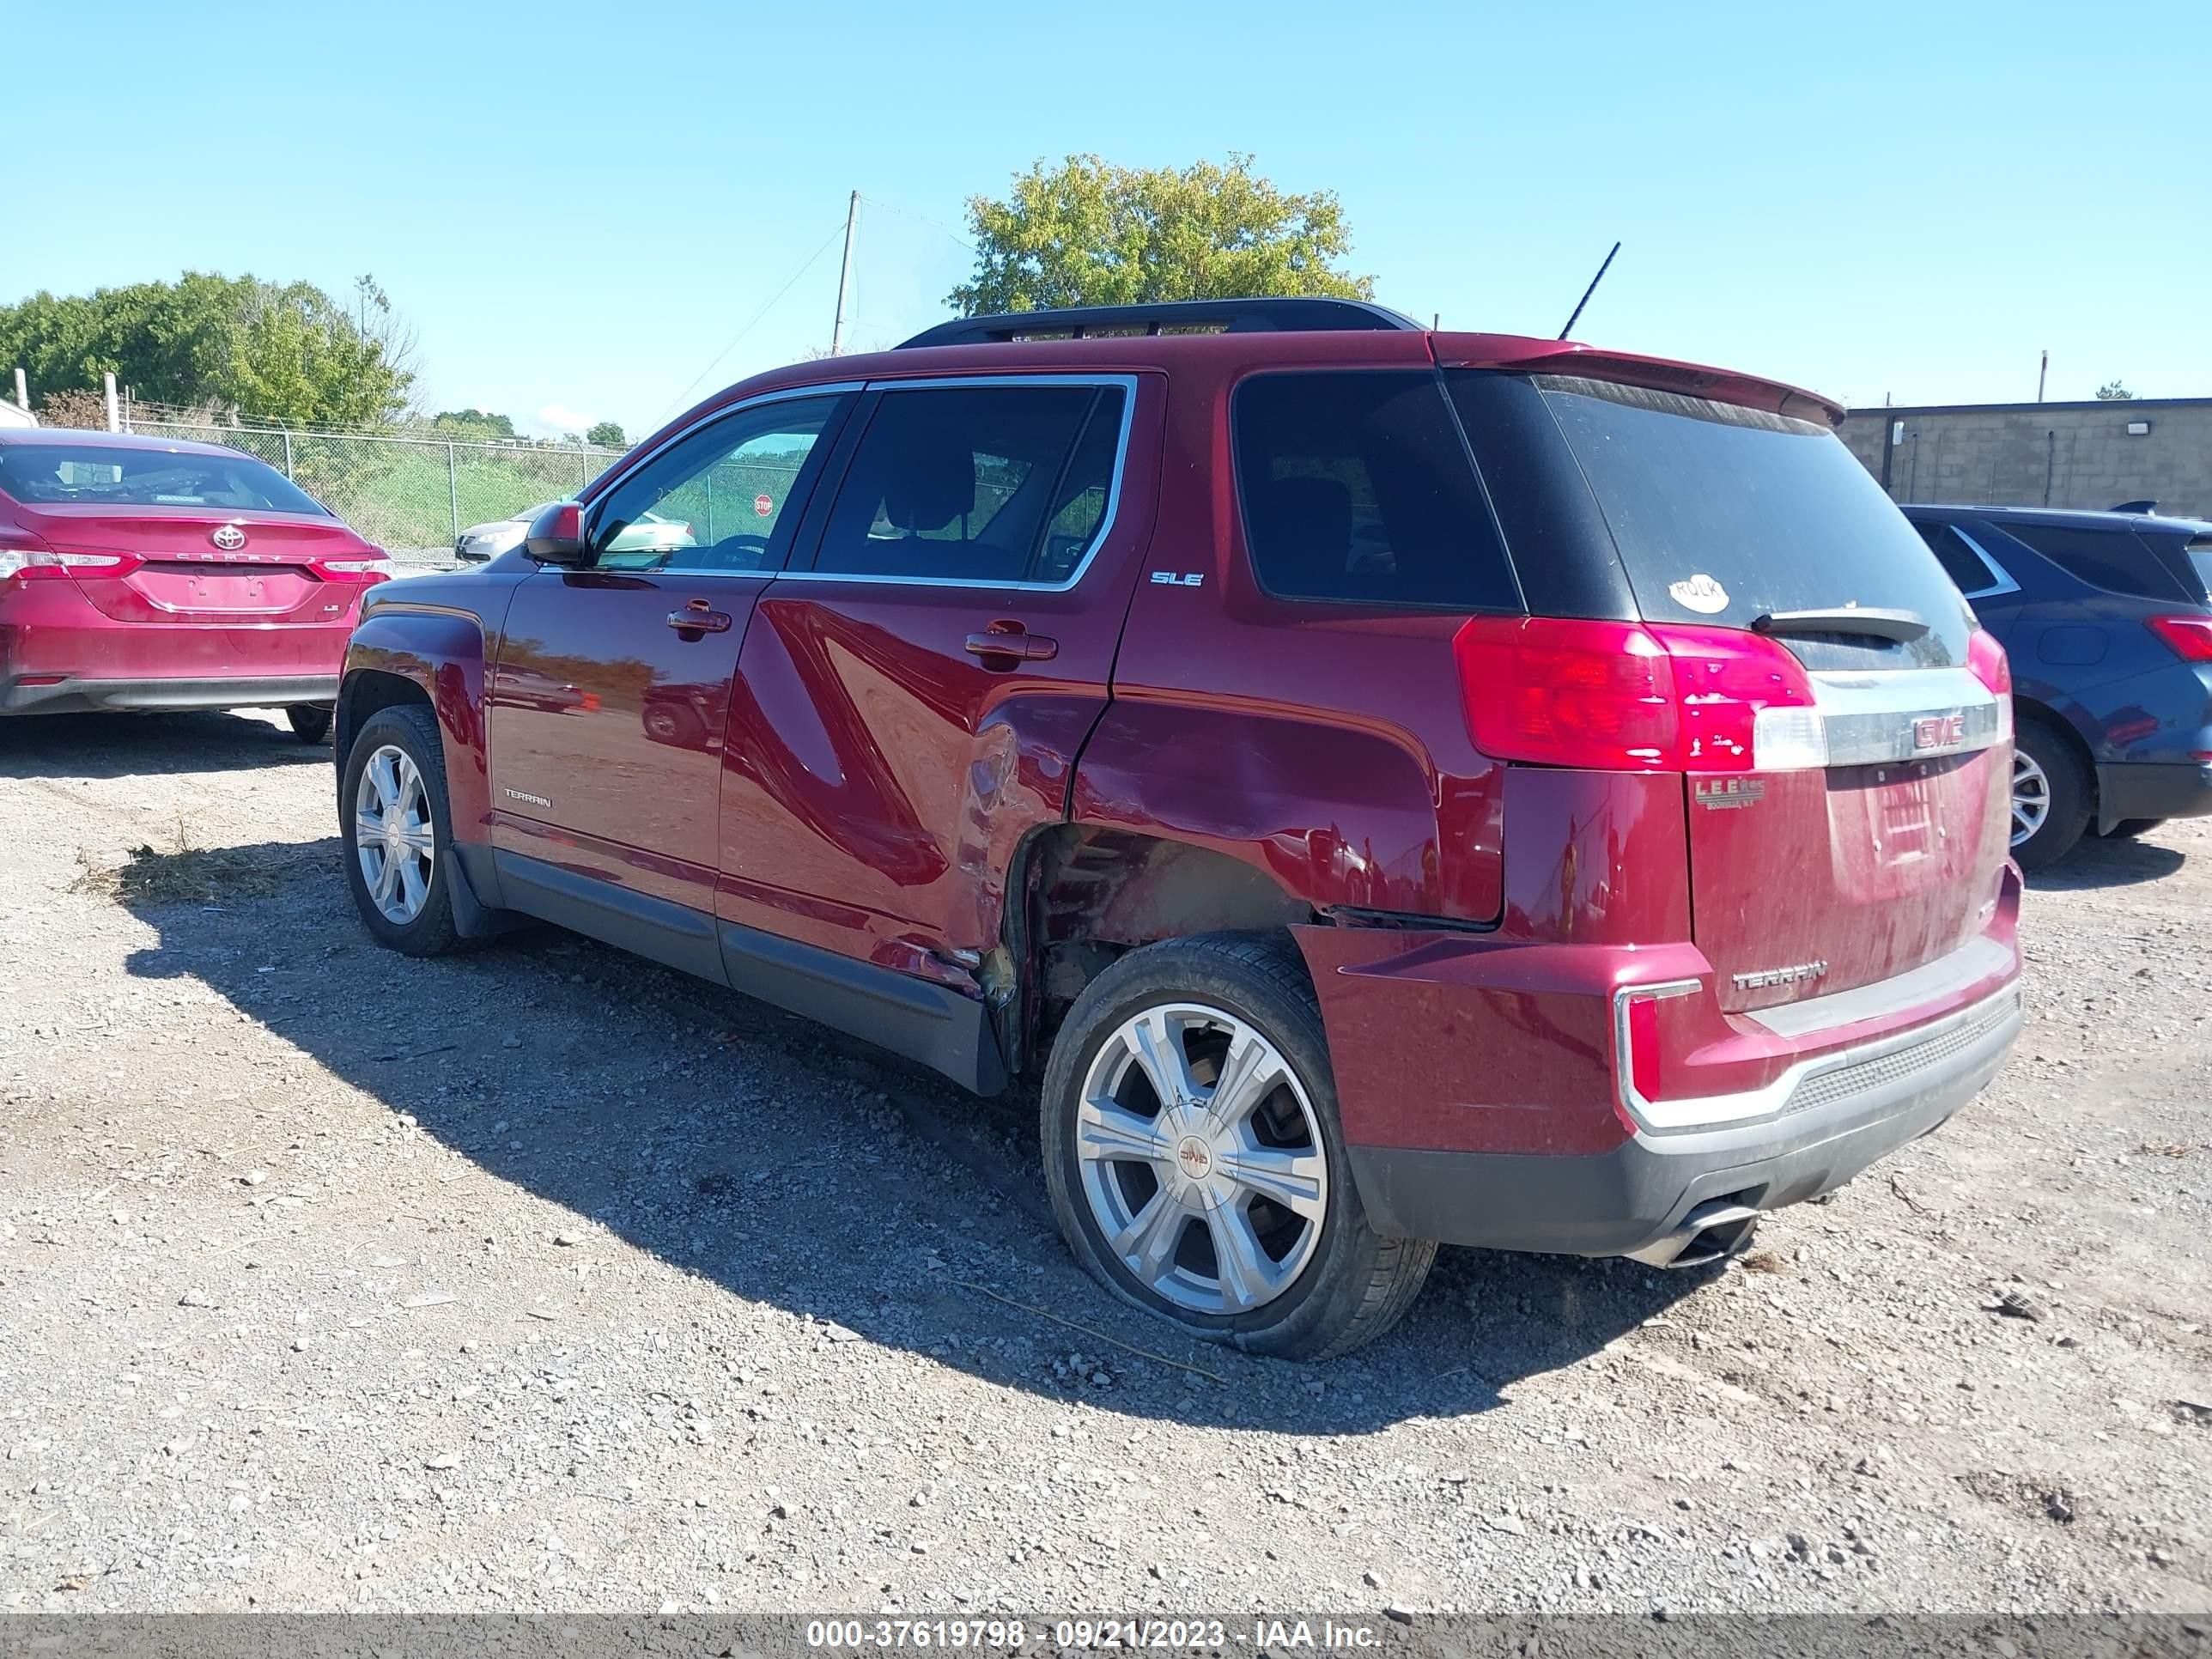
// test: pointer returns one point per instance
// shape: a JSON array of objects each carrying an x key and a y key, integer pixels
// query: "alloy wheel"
[
  {"x": 393, "y": 836},
  {"x": 2030, "y": 796},
  {"x": 1201, "y": 1158}
]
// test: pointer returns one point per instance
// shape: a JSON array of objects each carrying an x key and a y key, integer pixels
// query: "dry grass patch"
[{"x": 183, "y": 873}]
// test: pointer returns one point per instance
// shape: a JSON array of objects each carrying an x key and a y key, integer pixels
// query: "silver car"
[{"x": 480, "y": 542}]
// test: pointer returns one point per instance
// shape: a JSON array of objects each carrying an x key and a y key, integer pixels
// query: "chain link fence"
[{"x": 411, "y": 495}]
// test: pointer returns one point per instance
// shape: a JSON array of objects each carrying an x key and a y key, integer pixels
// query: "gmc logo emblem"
[{"x": 1939, "y": 730}]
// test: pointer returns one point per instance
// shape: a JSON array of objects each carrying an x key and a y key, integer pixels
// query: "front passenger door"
[{"x": 608, "y": 707}]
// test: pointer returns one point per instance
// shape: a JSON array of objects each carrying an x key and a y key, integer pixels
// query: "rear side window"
[
  {"x": 1001, "y": 483},
  {"x": 1961, "y": 563},
  {"x": 2200, "y": 560},
  {"x": 2111, "y": 559},
  {"x": 1357, "y": 487},
  {"x": 1722, "y": 513}
]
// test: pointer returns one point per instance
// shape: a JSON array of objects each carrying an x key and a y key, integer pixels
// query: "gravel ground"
[{"x": 544, "y": 1279}]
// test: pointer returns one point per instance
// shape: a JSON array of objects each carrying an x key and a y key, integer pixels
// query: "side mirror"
[{"x": 557, "y": 537}]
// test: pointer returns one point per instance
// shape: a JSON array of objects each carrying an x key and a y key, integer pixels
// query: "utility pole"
[
  {"x": 22, "y": 391},
  {"x": 845, "y": 273},
  {"x": 114, "y": 415},
  {"x": 2042, "y": 375}
]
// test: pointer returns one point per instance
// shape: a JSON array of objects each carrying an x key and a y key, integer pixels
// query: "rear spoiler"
[{"x": 1529, "y": 357}]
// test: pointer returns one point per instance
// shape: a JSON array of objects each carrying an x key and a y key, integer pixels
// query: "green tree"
[
  {"x": 1087, "y": 233},
  {"x": 2113, "y": 392},
  {"x": 607, "y": 435},
  {"x": 476, "y": 426},
  {"x": 286, "y": 352}
]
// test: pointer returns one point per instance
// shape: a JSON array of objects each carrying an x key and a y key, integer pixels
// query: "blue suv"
[{"x": 2107, "y": 617}]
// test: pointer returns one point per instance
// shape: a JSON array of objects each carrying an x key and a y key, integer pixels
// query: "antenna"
[{"x": 1587, "y": 292}]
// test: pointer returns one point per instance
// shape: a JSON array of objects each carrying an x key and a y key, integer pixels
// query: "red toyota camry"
[{"x": 141, "y": 573}]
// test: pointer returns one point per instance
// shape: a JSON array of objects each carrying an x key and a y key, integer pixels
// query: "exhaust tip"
[{"x": 1712, "y": 1232}]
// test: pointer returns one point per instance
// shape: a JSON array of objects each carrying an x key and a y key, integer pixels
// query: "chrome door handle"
[
  {"x": 1002, "y": 640},
  {"x": 698, "y": 618}
]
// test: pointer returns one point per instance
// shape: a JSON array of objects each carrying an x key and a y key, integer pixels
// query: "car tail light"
[
  {"x": 2189, "y": 636},
  {"x": 24, "y": 555},
  {"x": 360, "y": 567},
  {"x": 1613, "y": 696},
  {"x": 1987, "y": 661}
]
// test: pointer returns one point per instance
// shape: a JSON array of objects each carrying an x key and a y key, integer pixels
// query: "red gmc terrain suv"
[
  {"x": 1392, "y": 786},
  {"x": 142, "y": 574}
]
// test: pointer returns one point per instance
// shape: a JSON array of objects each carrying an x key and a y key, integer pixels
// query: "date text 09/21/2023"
[{"x": 1088, "y": 1635}]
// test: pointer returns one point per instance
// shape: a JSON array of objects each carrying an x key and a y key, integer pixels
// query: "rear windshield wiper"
[{"x": 1901, "y": 626}]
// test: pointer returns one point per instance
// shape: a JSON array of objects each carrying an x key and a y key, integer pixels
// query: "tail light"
[
  {"x": 1613, "y": 696},
  {"x": 23, "y": 556},
  {"x": 2189, "y": 636},
  {"x": 379, "y": 567},
  {"x": 1986, "y": 660}
]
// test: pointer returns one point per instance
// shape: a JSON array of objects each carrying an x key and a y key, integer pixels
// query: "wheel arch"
[
  {"x": 1081, "y": 895},
  {"x": 2027, "y": 708},
  {"x": 435, "y": 660}
]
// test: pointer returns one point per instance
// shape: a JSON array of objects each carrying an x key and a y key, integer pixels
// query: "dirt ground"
[{"x": 544, "y": 1279}]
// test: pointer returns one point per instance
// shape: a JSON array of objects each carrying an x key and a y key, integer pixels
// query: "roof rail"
[{"x": 1256, "y": 316}]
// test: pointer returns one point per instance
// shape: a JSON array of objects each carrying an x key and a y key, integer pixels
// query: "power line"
[
  {"x": 683, "y": 396},
  {"x": 923, "y": 218}
]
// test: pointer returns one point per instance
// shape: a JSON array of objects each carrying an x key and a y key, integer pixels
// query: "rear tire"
[
  {"x": 2049, "y": 796},
  {"x": 2129, "y": 829},
  {"x": 310, "y": 721},
  {"x": 412, "y": 911},
  {"x": 1202, "y": 1204}
]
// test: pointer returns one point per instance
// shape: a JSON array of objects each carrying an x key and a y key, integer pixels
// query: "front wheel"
[
  {"x": 395, "y": 825},
  {"x": 1195, "y": 1159}
]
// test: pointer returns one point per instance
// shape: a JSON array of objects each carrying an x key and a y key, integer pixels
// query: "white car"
[
  {"x": 480, "y": 542},
  {"x": 15, "y": 415},
  {"x": 651, "y": 532}
]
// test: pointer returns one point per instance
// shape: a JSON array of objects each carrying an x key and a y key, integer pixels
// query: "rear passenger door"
[{"x": 915, "y": 689}]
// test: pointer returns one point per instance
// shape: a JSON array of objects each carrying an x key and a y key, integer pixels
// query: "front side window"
[
  {"x": 94, "y": 474},
  {"x": 1358, "y": 488},
  {"x": 979, "y": 484},
  {"x": 721, "y": 500}
]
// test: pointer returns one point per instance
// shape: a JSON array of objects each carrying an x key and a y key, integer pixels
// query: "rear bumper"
[
  {"x": 2145, "y": 789},
  {"x": 1845, "y": 1113},
  {"x": 81, "y": 697}
]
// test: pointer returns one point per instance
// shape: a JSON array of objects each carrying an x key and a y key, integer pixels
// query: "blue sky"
[{"x": 579, "y": 206}]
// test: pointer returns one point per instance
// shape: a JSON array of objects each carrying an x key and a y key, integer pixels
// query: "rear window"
[
  {"x": 2111, "y": 559},
  {"x": 2200, "y": 559},
  {"x": 1722, "y": 514},
  {"x": 109, "y": 475},
  {"x": 1357, "y": 487}
]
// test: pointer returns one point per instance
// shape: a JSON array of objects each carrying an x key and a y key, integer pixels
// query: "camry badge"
[{"x": 230, "y": 537}]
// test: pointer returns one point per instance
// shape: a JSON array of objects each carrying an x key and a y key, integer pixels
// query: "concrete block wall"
[{"x": 2042, "y": 454}]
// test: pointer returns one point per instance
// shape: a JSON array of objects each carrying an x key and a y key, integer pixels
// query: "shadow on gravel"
[
  {"x": 794, "y": 1167},
  {"x": 2101, "y": 862},
  {"x": 138, "y": 745}
]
